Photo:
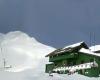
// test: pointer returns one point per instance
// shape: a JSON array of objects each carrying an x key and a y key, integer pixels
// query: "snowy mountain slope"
[
  {"x": 22, "y": 51},
  {"x": 27, "y": 57}
]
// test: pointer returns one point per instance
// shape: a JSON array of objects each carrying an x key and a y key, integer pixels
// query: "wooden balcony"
[{"x": 63, "y": 57}]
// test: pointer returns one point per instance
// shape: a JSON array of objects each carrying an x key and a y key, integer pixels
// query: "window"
[
  {"x": 82, "y": 62},
  {"x": 55, "y": 64},
  {"x": 99, "y": 59},
  {"x": 74, "y": 62},
  {"x": 51, "y": 56},
  {"x": 91, "y": 60}
]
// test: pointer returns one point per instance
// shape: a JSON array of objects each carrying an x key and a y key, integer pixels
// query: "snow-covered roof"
[
  {"x": 88, "y": 51},
  {"x": 95, "y": 48},
  {"x": 69, "y": 48},
  {"x": 74, "y": 45}
]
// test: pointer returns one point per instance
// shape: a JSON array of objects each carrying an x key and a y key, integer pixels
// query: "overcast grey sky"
[{"x": 54, "y": 22}]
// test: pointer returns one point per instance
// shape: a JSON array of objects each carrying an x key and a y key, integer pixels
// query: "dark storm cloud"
[{"x": 53, "y": 22}]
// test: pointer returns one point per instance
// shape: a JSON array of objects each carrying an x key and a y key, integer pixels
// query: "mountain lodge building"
[{"x": 74, "y": 58}]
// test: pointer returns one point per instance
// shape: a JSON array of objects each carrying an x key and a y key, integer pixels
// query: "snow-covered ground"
[{"x": 27, "y": 57}]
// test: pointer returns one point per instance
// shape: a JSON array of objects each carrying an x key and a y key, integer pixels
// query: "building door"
[
  {"x": 83, "y": 70},
  {"x": 64, "y": 62}
]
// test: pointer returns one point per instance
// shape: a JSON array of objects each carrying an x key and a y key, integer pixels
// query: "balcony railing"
[{"x": 77, "y": 67}]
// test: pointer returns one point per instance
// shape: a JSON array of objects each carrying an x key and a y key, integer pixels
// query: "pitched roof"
[
  {"x": 74, "y": 45},
  {"x": 88, "y": 51},
  {"x": 95, "y": 48},
  {"x": 70, "y": 48}
]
